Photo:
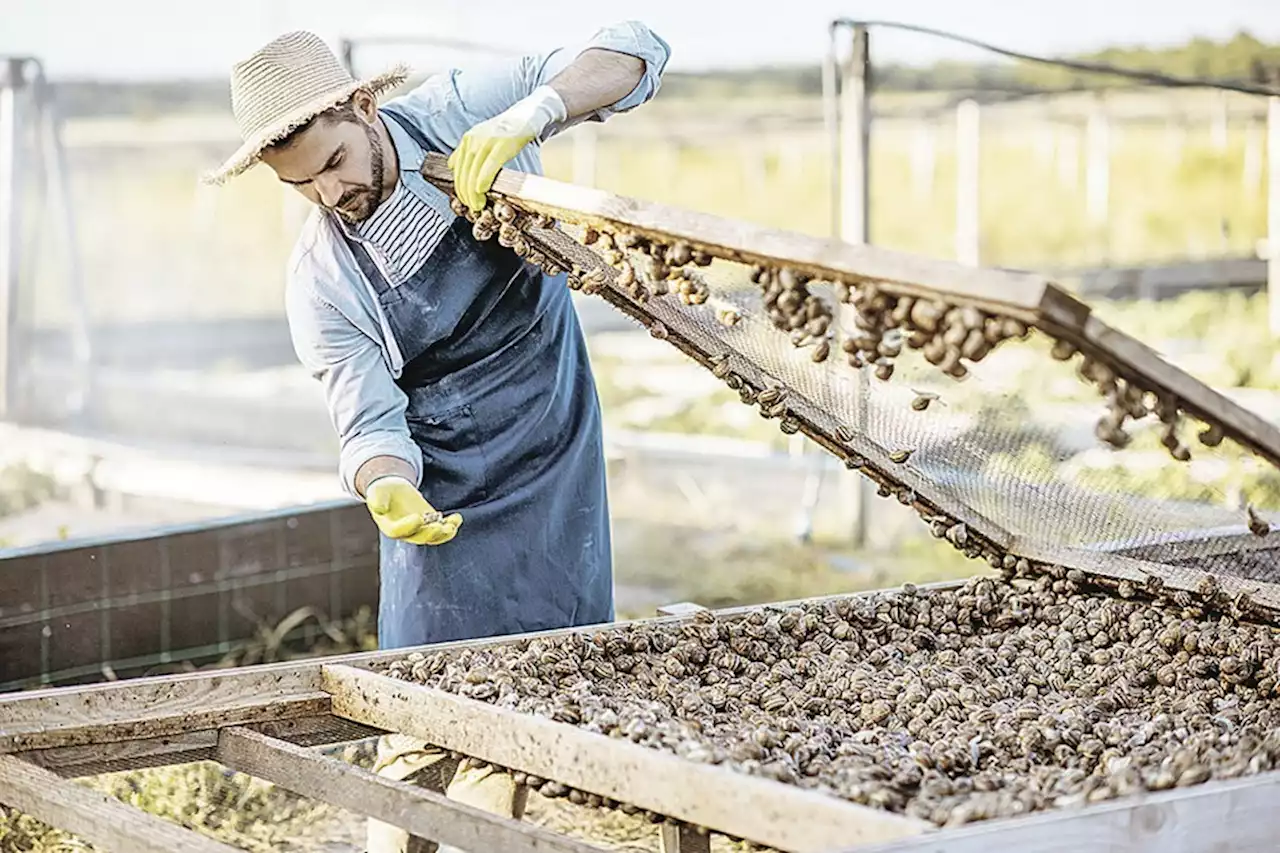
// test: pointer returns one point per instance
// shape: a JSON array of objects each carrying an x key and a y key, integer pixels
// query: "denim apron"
[{"x": 503, "y": 406}]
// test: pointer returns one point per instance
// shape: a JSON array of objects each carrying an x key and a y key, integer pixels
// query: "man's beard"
[{"x": 358, "y": 203}]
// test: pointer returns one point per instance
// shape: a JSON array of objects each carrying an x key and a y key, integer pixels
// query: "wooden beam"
[
  {"x": 767, "y": 812},
  {"x": 164, "y": 721},
  {"x": 682, "y": 838},
  {"x": 1017, "y": 293},
  {"x": 1235, "y": 815},
  {"x": 94, "y": 816},
  {"x": 56, "y": 707},
  {"x": 92, "y": 759},
  {"x": 422, "y": 812}
]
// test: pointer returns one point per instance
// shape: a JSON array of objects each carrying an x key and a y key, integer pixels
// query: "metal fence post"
[
  {"x": 855, "y": 221},
  {"x": 968, "y": 183},
  {"x": 11, "y": 172},
  {"x": 1273, "y": 213}
]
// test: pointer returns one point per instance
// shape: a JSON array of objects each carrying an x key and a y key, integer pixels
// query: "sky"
[{"x": 158, "y": 39}]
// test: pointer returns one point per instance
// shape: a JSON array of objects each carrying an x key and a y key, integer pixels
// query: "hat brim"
[{"x": 247, "y": 156}]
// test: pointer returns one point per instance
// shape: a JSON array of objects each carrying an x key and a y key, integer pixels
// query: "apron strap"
[
  {"x": 366, "y": 264},
  {"x": 415, "y": 133}
]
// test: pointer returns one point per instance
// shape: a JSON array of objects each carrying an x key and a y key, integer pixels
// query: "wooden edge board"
[
  {"x": 767, "y": 812},
  {"x": 92, "y": 759},
  {"x": 1117, "y": 567},
  {"x": 820, "y": 426},
  {"x": 70, "y": 707},
  {"x": 99, "y": 818},
  {"x": 59, "y": 706},
  {"x": 1235, "y": 815},
  {"x": 422, "y": 812},
  {"x": 750, "y": 243},
  {"x": 162, "y": 721}
]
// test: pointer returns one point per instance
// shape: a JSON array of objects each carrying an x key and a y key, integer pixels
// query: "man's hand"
[
  {"x": 401, "y": 512},
  {"x": 491, "y": 144}
]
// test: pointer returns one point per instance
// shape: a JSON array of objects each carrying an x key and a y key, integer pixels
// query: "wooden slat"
[
  {"x": 92, "y": 759},
  {"x": 1236, "y": 816},
  {"x": 778, "y": 815},
  {"x": 749, "y": 243},
  {"x": 94, "y": 816},
  {"x": 422, "y": 812},
  {"x": 165, "y": 721},
  {"x": 69, "y": 706}
]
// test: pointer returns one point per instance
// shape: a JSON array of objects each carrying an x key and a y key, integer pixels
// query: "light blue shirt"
[{"x": 338, "y": 330}]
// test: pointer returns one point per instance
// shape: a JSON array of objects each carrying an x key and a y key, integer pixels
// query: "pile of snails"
[{"x": 997, "y": 698}]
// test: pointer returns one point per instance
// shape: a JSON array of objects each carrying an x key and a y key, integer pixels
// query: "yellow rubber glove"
[
  {"x": 491, "y": 144},
  {"x": 401, "y": 512}
]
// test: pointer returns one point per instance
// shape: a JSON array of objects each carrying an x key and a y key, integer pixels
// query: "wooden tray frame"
[{"x": 268, "y": 721}]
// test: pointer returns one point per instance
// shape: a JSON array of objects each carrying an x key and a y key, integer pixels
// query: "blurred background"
[
  {"x": 150, "y": 387},
  {"x": 168, "y": 497}
]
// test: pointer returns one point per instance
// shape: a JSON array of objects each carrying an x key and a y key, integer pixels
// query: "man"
[{"x": 456, "y": 374}]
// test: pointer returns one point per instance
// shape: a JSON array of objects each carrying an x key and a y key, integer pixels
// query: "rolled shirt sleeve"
[
  {"x": 451, "y": 103},
  {"x": 366, "y": 406}
]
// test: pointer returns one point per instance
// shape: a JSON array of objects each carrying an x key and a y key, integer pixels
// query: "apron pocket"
[{"x": 455, "y": 474}]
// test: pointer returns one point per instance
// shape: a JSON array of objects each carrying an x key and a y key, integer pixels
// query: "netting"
[{"x": 928, "y": 396}]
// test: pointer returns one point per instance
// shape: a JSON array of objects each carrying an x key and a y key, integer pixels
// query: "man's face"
[{"x": 336, "y": 163}]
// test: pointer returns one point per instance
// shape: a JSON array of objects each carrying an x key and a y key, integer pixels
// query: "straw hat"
[{"x": 282, "y": 87}]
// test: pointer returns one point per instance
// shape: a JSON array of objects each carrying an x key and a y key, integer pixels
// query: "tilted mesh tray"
[{"x": 897, "y": 365}]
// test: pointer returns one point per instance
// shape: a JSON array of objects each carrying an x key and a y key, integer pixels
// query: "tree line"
[{"x": 1240, "y": 58}]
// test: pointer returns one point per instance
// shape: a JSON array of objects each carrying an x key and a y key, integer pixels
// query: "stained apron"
[{"x": 503, "y": 406}]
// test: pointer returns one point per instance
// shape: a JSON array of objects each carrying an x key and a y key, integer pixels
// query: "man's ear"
[{"x": 365, "y": 105}]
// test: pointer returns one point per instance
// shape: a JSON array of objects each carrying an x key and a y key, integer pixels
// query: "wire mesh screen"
[{"x": 979, "y": 444}]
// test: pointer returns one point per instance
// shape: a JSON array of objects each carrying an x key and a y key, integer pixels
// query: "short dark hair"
[{"x": 337, "y": 114}]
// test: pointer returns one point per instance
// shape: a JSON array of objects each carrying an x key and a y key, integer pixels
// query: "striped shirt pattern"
[{"x": 406, "y": 230}]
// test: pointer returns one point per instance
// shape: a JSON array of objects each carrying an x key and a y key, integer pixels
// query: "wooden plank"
[
  {"x": 165, "y": 721},
  {"x": 92, "y": 759},
  {"x": 767, "y": 812},
  {"x": 682, "y": 838},
  {"x": 94, "y": 816},
  {"x": 1011, "y": 292},
  {"x": 53, "y": 707},
  {"x": 1236, "y": 815},
  {"x": 422, "y": 812}
]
